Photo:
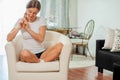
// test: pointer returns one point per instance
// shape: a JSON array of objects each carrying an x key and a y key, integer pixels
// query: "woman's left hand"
[{"x": 26, "y": 25}]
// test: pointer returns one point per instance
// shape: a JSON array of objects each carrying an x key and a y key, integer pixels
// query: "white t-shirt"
[{"x": 30, "y": 43}]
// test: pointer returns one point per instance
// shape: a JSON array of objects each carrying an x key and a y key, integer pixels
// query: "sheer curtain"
[{"x": 56, "y": 13}]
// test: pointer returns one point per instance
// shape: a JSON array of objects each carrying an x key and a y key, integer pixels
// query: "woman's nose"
[{"x": 31, "y": 14}]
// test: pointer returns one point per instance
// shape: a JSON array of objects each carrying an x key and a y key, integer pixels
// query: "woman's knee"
[
  {"x": 24, "y": 53},
  {"x": 60, "y": 45},
  {"x": 27, "y": 56}
]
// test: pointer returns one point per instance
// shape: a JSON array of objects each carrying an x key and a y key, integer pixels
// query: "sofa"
[{"x": 104, "y": 58}]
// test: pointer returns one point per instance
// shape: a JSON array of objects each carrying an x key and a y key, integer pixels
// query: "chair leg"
[
  {"x": 89, "y": 52},
  {"x": 100, "y": 73},
  {"x": 71, "y": 57},
  {"x": 84, "y": 47},
  {"x": 76, "y": 51},
  {"x": 100, "y": 70},
  {"x": 116, "y": 71}
]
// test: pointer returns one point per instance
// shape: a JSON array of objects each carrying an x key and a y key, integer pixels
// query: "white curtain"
[{"x": 56, "y": 13}]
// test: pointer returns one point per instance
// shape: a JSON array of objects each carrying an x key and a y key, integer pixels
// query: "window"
[{"x": 56, "y": 13}]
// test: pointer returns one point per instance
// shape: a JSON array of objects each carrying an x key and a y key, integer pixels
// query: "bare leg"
[
  {"x": 52, "y": 53},
  {"x": 27, "y": 56}
]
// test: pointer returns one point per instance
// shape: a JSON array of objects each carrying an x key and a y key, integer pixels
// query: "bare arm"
[
  {"x": 38, "y": 36},
  {"x": 11, "y": 35}
]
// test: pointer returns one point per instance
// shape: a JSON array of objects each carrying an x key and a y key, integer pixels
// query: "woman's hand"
[
  {"x": 24, "y": 24},
  {"x": 21, "y": 24}
]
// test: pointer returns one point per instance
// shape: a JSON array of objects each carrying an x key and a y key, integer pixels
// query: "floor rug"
[{"x": 78, "y": 61}]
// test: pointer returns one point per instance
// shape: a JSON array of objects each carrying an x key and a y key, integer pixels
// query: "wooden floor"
[{"x": 88, "y": 73}]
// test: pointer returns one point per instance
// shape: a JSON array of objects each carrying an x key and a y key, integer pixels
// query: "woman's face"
[{"x": 31, "y": 14}]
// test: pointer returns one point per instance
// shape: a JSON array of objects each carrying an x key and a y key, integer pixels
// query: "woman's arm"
[
  {"x": 38, "y": 36},
  {"x": 11, "y": 35}
]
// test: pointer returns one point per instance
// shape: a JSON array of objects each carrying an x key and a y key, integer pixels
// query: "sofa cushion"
[
  {"x": 116, "y": 43},
  {"x": 109, "y": 38},
  {"x": 37, "y": 67}
]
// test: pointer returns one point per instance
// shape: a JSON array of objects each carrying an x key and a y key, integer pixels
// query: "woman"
[{"x": 33, "y": 29}]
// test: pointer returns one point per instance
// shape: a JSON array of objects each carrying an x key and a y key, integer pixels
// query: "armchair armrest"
[
  {"x": 65, "y": 53},
  {"x": 11, "y": 51},
  {"x": 11, "y": 56}
]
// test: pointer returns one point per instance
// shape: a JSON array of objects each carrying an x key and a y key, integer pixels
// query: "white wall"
[
  {"x": 106, "y": 13},
  {"x": 11, "y": 11}
]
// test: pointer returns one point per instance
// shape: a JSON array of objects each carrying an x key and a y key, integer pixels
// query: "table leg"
[
  {"x": 84, "y": 51},
  {"x": 77, "y": 51}
]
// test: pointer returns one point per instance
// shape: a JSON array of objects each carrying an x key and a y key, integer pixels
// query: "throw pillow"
[
  {"x": 116, "y": 43},
  {"x": 109, "y": 38}
]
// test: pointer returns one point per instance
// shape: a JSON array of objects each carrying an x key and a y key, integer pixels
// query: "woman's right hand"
[{"x": 21, "y": 24}]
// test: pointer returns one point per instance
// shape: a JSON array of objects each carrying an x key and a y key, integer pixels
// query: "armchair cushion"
[{"x": 37, "y": 67}]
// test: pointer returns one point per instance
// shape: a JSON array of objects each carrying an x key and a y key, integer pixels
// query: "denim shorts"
[{"x": 39, "y": 54}]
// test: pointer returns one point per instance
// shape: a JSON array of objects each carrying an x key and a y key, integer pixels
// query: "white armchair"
[{"x": 55, "y": 70}]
